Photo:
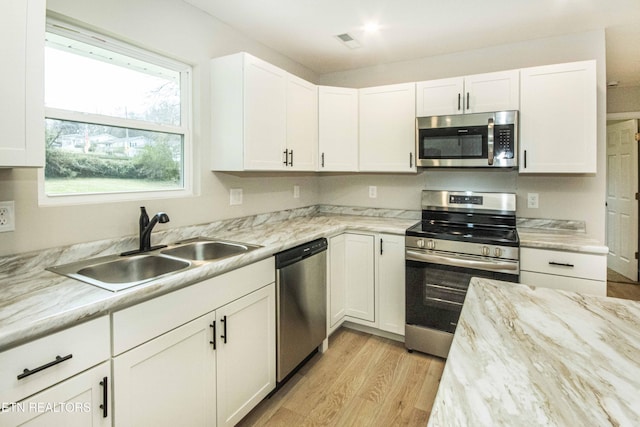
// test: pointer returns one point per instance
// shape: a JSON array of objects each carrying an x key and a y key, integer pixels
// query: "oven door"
[
  {"x": 435, "y": 292},
  {"x": 453, "y": 146}
]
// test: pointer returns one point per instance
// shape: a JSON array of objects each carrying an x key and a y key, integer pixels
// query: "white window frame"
[{"x": 81, "y": 34}]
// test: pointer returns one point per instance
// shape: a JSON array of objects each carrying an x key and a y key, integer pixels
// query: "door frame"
[{"x": 631, "y": 115}]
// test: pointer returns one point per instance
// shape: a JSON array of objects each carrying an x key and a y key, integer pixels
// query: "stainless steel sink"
[
  {"x": 116, "y": 272},
  {"x": 207, "y": 250}
]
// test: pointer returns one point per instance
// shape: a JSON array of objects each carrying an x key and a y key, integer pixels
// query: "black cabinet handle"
[
  {"x": 380, "y": 246},
  {"x": 410, "y": 160},
  {"x": 459, "y": 95},
  {"x": 224, "y": 329},
  {"x": 213, "y": 325},
  {"x": 467, "y": 107},
  {"x": 525, "y": 159},
  {"x": 28, "y": 372},
  {"x": 105, "y": 396},
  {"x": 286, "y": 157},
  {"x": 561, "y": 264},
  {"x": 291, "y": 160},
  {"x": 322, "y": 160}
]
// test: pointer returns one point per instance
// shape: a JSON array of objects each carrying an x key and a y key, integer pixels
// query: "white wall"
[
  {"x": 179, "y": 31},
  {"x": 579, "y": 197}
]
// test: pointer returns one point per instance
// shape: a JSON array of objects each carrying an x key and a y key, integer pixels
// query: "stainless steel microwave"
[{"x": 468, "y": 140}]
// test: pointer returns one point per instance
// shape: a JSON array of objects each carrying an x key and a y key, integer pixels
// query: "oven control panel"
[{"x": 458, "y": 199}]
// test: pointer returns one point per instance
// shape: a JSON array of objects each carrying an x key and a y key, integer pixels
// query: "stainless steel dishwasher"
[{"x": 301, "y": 298}]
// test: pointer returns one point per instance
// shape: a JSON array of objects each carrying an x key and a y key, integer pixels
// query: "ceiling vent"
[{"x": 348, "y": 41}]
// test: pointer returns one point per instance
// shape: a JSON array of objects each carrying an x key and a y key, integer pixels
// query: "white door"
[
  {"x": 391, "y": 277},
  {"x": 302, "y": 124},
  {"x": 337, "y": 129},
  {"x": 388, "y": 128},
  {"x": 360, "y": 284},
  {"x": 439, "y": 97},
  {"x": 622, "y": 208},
  {"x": 246, "y": 359},
  {"x": 337, "y": 282},
  {"x": 264, "y": 115},
  {"x": 492, "y": 92},
  {"x": 168, "y": 381}
]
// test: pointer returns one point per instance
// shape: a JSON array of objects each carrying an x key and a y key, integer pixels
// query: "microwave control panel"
[{"x": 504, "y": 141}]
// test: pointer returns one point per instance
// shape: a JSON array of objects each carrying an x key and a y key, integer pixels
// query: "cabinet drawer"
[
  {"x": 571, "y": 264},
  {"x": 143, "y": 322},
  {"x": 573, "y": 284},
  {"x": 87, "y": 344}
]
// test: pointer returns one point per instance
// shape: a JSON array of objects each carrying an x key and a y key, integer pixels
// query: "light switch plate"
[
  {"x": 532, "y": 200},
  {"x": 235, "y": 196},
  {"x": 296, "y": 191},
  {"x": 7, "y": 216},
  {"x": 373, "y": 191}
]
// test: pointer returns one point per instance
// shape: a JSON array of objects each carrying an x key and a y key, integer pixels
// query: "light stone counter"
[
  {"x": 530, "y": 356},
  {"x": 35, "y": 302},
  {"x": 560, "y": 235}
]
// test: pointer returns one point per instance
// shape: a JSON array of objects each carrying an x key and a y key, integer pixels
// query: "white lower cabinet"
[
  {"x": 189, "y": 377},
  {"x": 81, "y": 401},
  {"x": 569, "y": 271},
  {"x": 366, "y": 281},
  {"x": 203, "y": 355}
]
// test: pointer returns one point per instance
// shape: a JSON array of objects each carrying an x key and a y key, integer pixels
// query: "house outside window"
[{"x": 117, "y": 120}]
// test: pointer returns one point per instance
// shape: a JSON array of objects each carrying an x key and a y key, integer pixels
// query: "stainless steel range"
[{"x": 461, "y": 235}]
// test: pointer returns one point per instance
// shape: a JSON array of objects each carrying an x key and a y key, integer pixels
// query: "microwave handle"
[{"x": 490, "y": 140}]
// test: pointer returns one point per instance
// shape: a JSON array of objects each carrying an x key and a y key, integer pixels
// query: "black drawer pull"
[
  {"x": 28, "y": 372},
  {"x": 561, "y": 264},
  {"x": 224, "y": 330},
  {"x": 213, "y": 325}
]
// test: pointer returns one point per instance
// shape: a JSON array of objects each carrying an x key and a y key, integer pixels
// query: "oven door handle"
[{"x": 457, "y": 261}]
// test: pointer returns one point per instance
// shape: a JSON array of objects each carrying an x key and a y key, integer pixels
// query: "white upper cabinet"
[
  {"x": 470, "y": 94},
  {"x": 260, "y": 114},
  {"x": 558, "y": 118},
  {"x": 338, "y": 129},
  {"x": 22, "y": 27},
  {"x": 388, "y": 128}
]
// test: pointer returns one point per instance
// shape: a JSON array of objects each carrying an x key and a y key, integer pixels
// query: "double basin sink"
[{"x": 116, "y": 272}]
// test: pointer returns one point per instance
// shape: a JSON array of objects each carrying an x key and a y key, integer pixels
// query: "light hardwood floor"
[
  {"x": 361, "y": 380},
  {"x": 619, "y": 286}
]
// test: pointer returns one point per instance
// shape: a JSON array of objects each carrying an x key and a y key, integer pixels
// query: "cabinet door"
[
  {"x": 168, "y": 381},
  {"x": 336, "y": 275},
  {"x": 77, "y": 402},
  {"x": 388, "y": 128},
  {"x": 439, "y": 97},
  {"x": 359, "y": 277},
  {"x": 558, "y": 118},
  {"x": 391, "y": 278},
  {"x": 264, "y": 115},
  {"x": 338, "y": 129},
  {"x": 246, "y": 363},
  {"x": 492, "y": 92},
  {"x": 302, "y": 124},
  {"x": 22, "y": 25}
]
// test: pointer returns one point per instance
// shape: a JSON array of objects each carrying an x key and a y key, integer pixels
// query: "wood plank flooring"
[
  {"x": 619, "y": 286},
  {"x": 362, "y": 380}
]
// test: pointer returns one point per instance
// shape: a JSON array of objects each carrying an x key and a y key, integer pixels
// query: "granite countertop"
[
  {"x": 535, "y": 356},
  {"x": 35, "y": 302},
  {"x": 560, "y": 235}
]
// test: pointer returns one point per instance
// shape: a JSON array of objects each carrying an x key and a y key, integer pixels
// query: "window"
[{"x": 117, "y": 120}]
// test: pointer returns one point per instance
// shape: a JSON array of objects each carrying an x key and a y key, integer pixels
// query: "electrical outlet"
[
  {"x": 7, "y": 216},
  {"x": 235, "y": 196},
  {"x": 373, "y": 191},
  {"x": 296, "y": 191},
  {"x": 532, "y": 200}
]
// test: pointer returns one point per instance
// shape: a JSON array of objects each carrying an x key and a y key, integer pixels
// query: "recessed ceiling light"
[{"x": 371, "y": 27}]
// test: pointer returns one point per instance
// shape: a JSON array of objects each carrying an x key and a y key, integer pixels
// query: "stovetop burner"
[{"x": 468, "y": 233}]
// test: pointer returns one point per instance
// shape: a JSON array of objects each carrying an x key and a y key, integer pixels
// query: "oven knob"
[
  {"x": 497, "y": 252},
  {"x": 420, "y": 243},
  {"x": 485, "y": 251},
  {"x": 431, "y": 244}
]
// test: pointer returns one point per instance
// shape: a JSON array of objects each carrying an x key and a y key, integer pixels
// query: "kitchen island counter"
[{"x": 534, "y": 356}]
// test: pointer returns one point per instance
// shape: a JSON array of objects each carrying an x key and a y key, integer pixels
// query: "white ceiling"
[{"x": 304, "y": 30}]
